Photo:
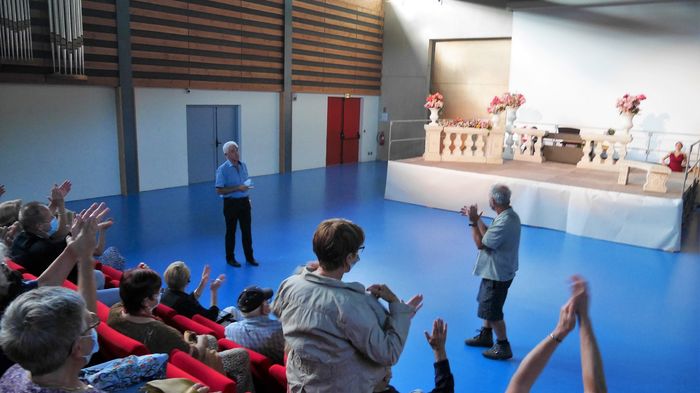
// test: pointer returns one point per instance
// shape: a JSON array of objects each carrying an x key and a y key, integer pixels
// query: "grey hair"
[
  {"x": 40, "y": 327},
  {"x": 228, "y": 145},
  {"x": 3, "y": 252},
  {"x": 500, "y": 193}
]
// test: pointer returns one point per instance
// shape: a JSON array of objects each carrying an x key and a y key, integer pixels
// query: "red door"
[{"x": 343, "y": 130}]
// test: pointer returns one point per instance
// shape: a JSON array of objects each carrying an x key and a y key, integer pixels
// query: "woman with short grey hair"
[{"x": 51, "y": 335}]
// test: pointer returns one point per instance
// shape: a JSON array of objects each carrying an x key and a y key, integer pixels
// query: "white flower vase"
[
  {"x": 510, "y": 119},
  {"x": 496, "y": 120},
  {"x": 626, "y": 119},
  {"x": 434, "y": 116}
]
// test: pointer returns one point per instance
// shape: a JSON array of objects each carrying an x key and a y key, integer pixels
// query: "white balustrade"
[
  {"x": 603, "y": 152},
  {"x": 463, "y": 144},
  {"x": 528, "y": 144}
]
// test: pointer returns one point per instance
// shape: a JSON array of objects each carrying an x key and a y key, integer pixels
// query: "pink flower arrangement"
[
  {"x": 506, "y": 100},
  {"x": 434, "y": 101},
  {"x": 630, "y": 104},
  {"x": 473, "y": 123}
]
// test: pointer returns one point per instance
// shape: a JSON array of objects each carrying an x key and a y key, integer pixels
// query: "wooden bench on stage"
[{"x": 657, "y": 175}]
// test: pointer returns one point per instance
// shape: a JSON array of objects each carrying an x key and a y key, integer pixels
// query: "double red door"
[{"x": 343, "y": 130}]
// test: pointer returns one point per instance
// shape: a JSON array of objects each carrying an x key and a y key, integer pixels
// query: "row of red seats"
[{"x": 113, "y": 345}]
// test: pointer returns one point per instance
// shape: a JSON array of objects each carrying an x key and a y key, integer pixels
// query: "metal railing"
[{"x": 420, "y": 135}]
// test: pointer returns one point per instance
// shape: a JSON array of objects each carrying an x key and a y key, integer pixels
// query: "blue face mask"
[
  {"x": 95, "y": 346},
  {"x": 54, "y": 227}
]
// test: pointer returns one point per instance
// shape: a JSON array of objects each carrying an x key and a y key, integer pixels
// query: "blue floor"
[{"x": 645, "y": 303}]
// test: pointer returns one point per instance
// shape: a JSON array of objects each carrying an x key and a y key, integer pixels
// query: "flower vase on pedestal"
[
  {"x": 510, "y": 119},
  {"x": 626, "y": 121},
  {"x": 496, "y": 120},
  {"x": 434, "y": 116}
]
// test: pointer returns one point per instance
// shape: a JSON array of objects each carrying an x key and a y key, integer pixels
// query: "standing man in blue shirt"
[
  {"x": 496, "y": 265},
  {"x": 232, "y": 183}
]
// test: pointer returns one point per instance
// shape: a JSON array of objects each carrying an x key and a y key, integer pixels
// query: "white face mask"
[
  {"x": 95, "y": 346},
  {"x": 157, "y": 301}
]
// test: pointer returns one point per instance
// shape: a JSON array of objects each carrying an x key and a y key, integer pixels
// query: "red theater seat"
[
  {"x": 111, "y": 272},
  {"x": 15, "y": 266},
  {"x": 102, "y": 311},
  {"x": 208, "y": 376},
  {"x": 164, "y": 312},
  {"x": 183, "y": 323},
  {"x": 173, "y": 371},
  {"x": 279, "y": 375},
  {"x": 116, "y": 345},
  {"x": 259, "y": 364},
  {"x": 219, "y": 331}
]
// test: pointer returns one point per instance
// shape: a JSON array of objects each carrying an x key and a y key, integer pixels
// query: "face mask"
[
  {"x": 157, "y": 301},
  {"x": 95, "y": 346},
  {"x": 54, "y": 227}
]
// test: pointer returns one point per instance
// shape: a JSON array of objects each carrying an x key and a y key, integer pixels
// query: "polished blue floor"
[{"x": 645, "y": 303}]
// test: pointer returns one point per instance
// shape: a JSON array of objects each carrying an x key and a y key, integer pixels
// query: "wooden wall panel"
[
  {"x": 337, "y": 46},
  {"x": 224, "y": 44},
  {"x": 213, "y": 44}
]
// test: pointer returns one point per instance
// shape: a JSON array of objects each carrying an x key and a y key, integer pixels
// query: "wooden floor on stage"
[{"x": 564, "y": 174}]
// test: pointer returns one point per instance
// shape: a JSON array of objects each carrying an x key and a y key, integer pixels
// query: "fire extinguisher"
[{"x": 380, "y": 138}]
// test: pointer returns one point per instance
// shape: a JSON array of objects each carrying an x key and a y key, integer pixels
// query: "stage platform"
[{"x": 551, "y": 195}]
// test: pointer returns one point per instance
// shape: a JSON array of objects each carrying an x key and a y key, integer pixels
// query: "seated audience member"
[
  {"x": 50, "y": 331},
  {"x": 677, "y": 160},
  {"x": 257, "y": 330},
  {"x": 591, "y": 360},
  {"x": 338, "y": 337},
  {"x": 79, "y": 249},
  {"x": 177, "y": 276},
  {"x": 38, "y": 244},
  {"x": 139, "y": 290},
  {"x": 444, "y": 381}
]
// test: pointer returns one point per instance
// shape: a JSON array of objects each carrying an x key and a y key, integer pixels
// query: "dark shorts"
[{"x": 491, "y": 297}]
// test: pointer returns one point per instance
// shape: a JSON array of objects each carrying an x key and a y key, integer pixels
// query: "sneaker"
[
  {"x": 499, "y": 351},
  {"x": 252, "y": 262},
  {"x": 483, "y": 339},
  {"x": 233, "y": 262}
]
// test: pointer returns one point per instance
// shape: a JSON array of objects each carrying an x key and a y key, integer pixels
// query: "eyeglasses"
[
  {"x": 359, "y": 250},
  {"x": 94, "y": 321}
]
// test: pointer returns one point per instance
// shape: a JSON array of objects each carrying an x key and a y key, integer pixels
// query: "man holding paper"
[
  {"x": 232, "y": 184},
  {"x": 496, "y": 265}
]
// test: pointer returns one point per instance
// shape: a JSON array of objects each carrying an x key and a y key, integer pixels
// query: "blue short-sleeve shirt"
[
  {"x": 228, "y": 175},
  {"x": 498, "y": 260}
]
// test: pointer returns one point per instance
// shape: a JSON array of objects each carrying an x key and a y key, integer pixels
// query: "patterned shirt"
[
  {"x": 16, "y": 380},
  {"x": 261, "y": 334}
]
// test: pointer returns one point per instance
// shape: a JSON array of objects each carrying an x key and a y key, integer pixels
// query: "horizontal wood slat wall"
[
  {"x": 223, "y": 44},
  {"x": 212, "y": 44},
  {"x": 337, "y": 46},
  {"x": 100, "y": 33}
]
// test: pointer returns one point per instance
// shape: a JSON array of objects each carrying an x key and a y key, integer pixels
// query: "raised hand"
[
  {"x": 579, "y": 295},
  {"x": 217, "y": 282},
  {"x": 383, "y": 292},
  {"x": 206, "y": 272},
  {"x": 567, "y": 320},
  {"x": 416, "y": 303},
  {"x": 2, "y": 189},
  {"x": 84, "y": 237},
  {"x": 439, "y": 337}
]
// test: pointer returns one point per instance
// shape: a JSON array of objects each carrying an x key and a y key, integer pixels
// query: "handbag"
[{"x": 170, "y": 385}]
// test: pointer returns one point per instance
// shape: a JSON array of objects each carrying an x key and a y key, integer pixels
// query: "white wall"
[
  {"x": 309, "y": 118},
  {"x": 49, "y": 133},
  {"x": 408, "y": 27},
  {"x": 573, "y": 64},
  {"x": 161, "y": 122}
]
